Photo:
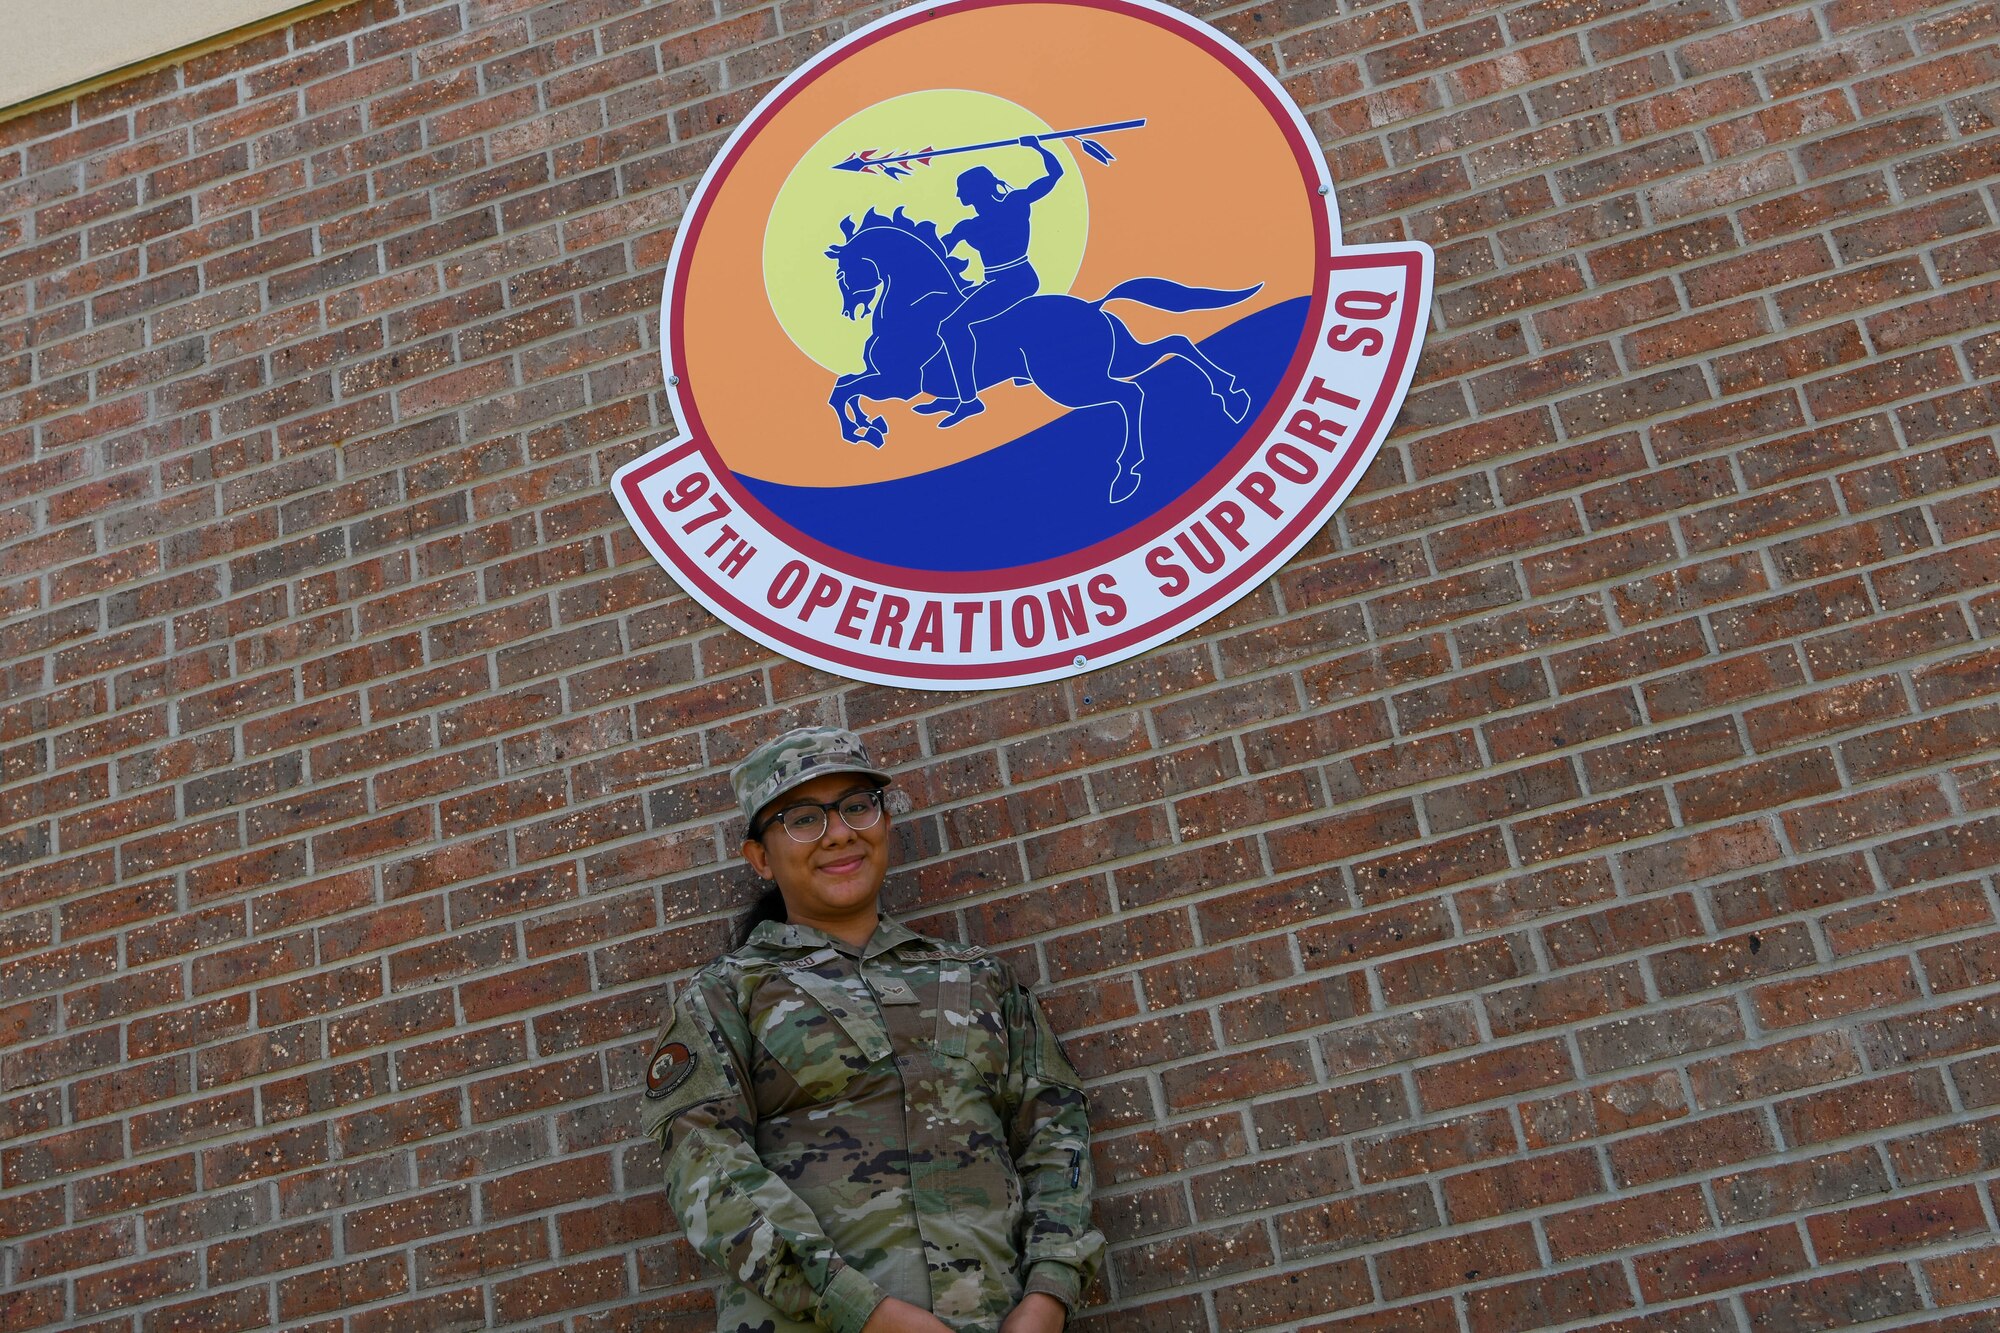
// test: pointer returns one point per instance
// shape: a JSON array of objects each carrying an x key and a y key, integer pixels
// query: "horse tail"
[{"x": 1166, "y": 294}]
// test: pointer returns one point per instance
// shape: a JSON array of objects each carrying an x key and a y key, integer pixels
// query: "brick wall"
[{"x": 1564, "y": 895}]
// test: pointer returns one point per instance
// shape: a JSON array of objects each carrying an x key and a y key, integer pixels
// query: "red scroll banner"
[{"x": 985, "y": 407}]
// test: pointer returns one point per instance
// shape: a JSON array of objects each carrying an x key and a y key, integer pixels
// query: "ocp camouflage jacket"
[{"x": 841, "y": 1125}]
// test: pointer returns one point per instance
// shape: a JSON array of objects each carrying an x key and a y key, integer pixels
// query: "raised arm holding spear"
[{"x": 998, "y": 231}]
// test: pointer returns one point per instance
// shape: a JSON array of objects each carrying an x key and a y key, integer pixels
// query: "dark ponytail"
[{"x": 770, "y": 906}]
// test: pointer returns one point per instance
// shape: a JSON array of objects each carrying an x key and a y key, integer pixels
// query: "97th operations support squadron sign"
[{"x": 1011, "y": 338}]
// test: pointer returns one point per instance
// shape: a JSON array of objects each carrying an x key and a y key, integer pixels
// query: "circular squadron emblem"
[
  {"x": 1010, "y": 338},
  {"x": 668, "y": 1069}
]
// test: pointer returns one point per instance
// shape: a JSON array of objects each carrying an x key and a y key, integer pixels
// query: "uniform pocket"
[
  {"x": 1045, "y": 1061},
  {"x": 801, "y": 1036},
  {"x": 971, "y": 1029},
  {"x": 819, "y": 1030}
]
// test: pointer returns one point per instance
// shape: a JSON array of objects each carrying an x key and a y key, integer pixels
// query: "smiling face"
[{"x": 832, "y": 884}]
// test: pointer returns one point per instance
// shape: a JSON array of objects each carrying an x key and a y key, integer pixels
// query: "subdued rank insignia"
[{"x": 670, "y": 1067}]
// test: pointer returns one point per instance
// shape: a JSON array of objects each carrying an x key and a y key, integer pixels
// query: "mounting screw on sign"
[{"x": 865, "y": 486}]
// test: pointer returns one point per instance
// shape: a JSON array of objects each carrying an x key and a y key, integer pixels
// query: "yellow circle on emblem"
[{"x": 805, "y": 217}]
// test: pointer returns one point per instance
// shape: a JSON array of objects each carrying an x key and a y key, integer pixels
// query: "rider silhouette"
[{"x": 998, "y": 232}]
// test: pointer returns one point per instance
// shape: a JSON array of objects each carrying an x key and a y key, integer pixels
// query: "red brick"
[
  {"x": 1949, "y": 414},
  {"x": 589, "y": 1282},
  {"x": 1965, "y": 1277},
  {"x": 1894, "y": 1099},
  {"x": 1880, "y": 1292},
  {"x": 245, "y": 1308},
  {"x": 1897, "y": 1224},
  {"x": 1233, "y": 1078},
  {"x": 1318, "y": 1115},
  {"x": 1959, "y": 569},
  {"x": 1512, "y": 1187},
  {"x": 1499, "y": 1073},
  {"x": 1886, "y": 640},
  {"x": 1624, "y": 1223},
  {"x": 1355, "y": 1047},
  {"x": 1957, "y": 1149},
  {"x": 1882, "y": 382},
  {"x": 1318, "y": 1289},
  {"x": 1869, "y": 814},
  {"x": 1453, "y": 970},
  {"x": 359, "y": 1282},
  {"x": 623, "y": 1224},
  {"x": 1586, "y": 827},
  {"x": 1935, "y": 855},
  {"x": 271, "y": 1250},
  {"x": 1630, "y": 1103},
  {"x": 1722, "y": 1264},
  {"x": 1445, "y": 1263},
  {"x": 405, "y": 1220},
  {"x": 1492, "y": 437},
  {"x": 1336, "y": 1224},
  {"x": 1789, "y": 1187},
  {"x": 1962, "y": 964},
  {"x": 1783, "y": 1066},
  {"x": 135, "y": 1283},
  {"x": 1948, "y": 1029},
  {"x": 1871, "y": 985},
  {"x": 1435, "y": 1147},
  {"x": 1683, "y": 1148}
]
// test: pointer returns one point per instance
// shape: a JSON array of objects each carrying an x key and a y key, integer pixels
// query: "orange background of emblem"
[{"x": 1209, "y": 192}]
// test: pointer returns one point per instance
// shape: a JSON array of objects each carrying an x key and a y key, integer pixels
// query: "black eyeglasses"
[{"x": 807, "y": 821}]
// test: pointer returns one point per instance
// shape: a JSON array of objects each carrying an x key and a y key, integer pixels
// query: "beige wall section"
[{"x": 53, "y": 44}]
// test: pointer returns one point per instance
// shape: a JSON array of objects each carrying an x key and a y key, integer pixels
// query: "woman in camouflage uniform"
[{"x": 867, "y": 1130}]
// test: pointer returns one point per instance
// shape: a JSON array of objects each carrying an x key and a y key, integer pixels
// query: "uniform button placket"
[{"x": 911, "y": 1142}]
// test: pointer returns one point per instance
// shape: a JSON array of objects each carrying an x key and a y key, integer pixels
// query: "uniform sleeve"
[
  {"x": 1049, "y": 1135},
  {"x": 735, "y": 1211}
]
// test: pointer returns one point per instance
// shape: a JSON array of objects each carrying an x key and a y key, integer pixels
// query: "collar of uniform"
[
  {"x": 888, "y": 934},
  {"x": 785, "y": 935},
  {"x": 789, "y": 935}
]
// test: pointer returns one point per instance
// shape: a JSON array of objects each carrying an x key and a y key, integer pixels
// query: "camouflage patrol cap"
[{"x": 795, "y": 758}]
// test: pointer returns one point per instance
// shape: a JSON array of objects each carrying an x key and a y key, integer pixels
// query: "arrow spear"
[{"x": 894, "y": 165}]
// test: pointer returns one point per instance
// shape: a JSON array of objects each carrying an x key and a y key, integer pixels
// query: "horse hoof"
[
  {"x": 1236, "y": 403},
  {"x": 879, "y": 426},
  {"x": 1123, "y": 485},
  {"x": 873, "y": 437},
  {"x": 936, "y": 407},
  {"x": 971, "y": 407}
]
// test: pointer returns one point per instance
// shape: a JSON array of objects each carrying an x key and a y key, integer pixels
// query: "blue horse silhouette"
[{"x": 896, "y": 272}]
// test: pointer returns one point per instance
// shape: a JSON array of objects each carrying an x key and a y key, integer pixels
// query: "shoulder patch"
[
  {"x": 672, "y": 1065},
  {"x": 691, "y": 1063}
]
